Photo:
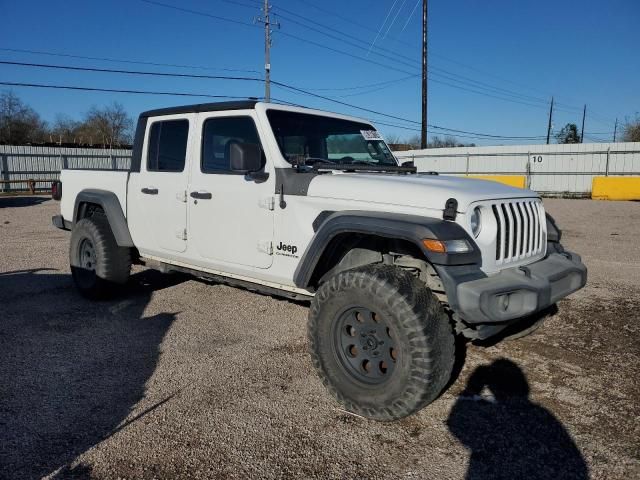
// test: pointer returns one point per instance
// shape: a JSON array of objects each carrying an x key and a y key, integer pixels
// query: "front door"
[
  {"x": 157, "y": 195},
  {"x": 230, "y": 214}
]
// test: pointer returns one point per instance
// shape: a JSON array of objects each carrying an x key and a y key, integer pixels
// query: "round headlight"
[{"x": 476, "y": 221}]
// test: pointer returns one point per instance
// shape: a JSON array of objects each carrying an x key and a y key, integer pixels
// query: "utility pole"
[
  {"x": 549, "y": 126},
  {"x": 267, "y": 48},
  {"x": 584, "y": 114},
  {"x": 615, "y": 130},
  {"x": 423, "y": 141}
]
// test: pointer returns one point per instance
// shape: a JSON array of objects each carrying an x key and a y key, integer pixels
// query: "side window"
[
  {"x": 168, "y": 146},
  {"x": 217, "y": 136}
]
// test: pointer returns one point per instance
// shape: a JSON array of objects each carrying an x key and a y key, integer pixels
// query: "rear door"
[
  {"x": 230, "y": 214},
  {"x": 157, "y": 205}
]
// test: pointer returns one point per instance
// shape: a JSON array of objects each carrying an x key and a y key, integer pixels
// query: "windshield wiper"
[
  {"x": 300, "y": 161},
  {"x": 366, "y": 167}
]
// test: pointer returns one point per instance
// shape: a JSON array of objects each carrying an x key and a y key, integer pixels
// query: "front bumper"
[{"x": 514, "y": 292}]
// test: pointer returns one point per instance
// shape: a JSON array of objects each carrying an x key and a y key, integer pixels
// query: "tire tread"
[{"x": 418, "y": 313}]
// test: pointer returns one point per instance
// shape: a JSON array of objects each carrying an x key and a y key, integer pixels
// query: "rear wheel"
[
  {"x": 98, "y": 264},
  {"x": 380, "y": 341}
]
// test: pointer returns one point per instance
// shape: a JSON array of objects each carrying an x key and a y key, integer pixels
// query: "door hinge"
[
  {"x": 268, "y": 202},
  {"x": 182, "y": 196},
  {"x": 266, "y": 246},
  {"x": 182, "y": 234}
]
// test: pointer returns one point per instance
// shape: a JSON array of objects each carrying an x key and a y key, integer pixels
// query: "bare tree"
[
  {"x": 393, "y": 139},
  {"x": 632, "y": 130},
  {"x": 414, "y": 141},
  {"x": 19, "y": 123},
  {"x": 447, "y": 141},
  {"x": 110, "y": 125},
  {"x": 65, "y": 130}
]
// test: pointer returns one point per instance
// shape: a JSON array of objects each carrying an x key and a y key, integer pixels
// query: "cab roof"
[
  {"x": 248, "y": 104},
  {"x": 201, "y": 107}
]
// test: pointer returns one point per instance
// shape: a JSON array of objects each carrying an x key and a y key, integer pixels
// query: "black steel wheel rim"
[
  {"x": 87, "y": 255},
  {"x": 364, "y": 345}
]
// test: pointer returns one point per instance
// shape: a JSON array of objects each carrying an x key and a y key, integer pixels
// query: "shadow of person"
[
  {"x": 71, "y": 371},
  {"x": 508, "y": 435}
]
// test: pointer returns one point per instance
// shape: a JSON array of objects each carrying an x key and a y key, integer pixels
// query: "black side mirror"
[{"x": 245, "y": 157}]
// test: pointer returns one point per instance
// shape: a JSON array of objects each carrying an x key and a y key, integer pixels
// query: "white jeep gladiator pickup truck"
[{"x": 313, "y": 205}]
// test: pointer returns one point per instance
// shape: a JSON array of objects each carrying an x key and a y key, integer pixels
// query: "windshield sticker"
[{"x": 371, "y": 135}]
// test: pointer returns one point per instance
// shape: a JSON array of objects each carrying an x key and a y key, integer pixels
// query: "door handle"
[
  {"x": 149, "y": 191},
  {"x": 201, "y": 195}
]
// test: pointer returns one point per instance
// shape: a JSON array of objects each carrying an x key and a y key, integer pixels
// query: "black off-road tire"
[
  {"x": 97, "y": 278},
  {"x": 416, "y": 326}
]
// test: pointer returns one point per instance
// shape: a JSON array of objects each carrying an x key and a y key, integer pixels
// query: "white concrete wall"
[{"x": 551, "y": 169}]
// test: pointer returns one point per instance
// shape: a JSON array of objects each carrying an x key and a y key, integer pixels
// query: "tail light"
[{"x": 56, "y": 190}]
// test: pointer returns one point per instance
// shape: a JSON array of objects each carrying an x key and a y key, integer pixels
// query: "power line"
[
  {"x": 355, "y": 45},
  {"x": 340, "y": 32},
  {"x": 485, "y": 135},
  {"x": 342, "y": 52},
  {"x": 371, "y": 85},
  {"x": 133, "y": 62},
  {"x": 461, "y": 133},
  {"x": 481, "y": 85},
  {"x": 368, "y": 60},
  {"x": 415, "y": 7},
  {"x": 373, "y": 30},
  {"x": 394, "y": 19},
  {"x": 220, "y": 77},
  {"x": 434, "y": 70},
  {"x": 200, "y": 67},
  {"x": 114, "y": 90},
  {"x": 277, "y": 9},
  {"x": 350, "y": 21},
  {"x": 290, "y": 87},
  {"x": 126, "y": 61},
  {"x": 197, "y": 12},
  {"x": 187, "y": 75},
  {"x": 476, "y": 137},
  {"x": 242, "y": 4},
  {"x": 130, "y": 72},
  {"x": 414, "y": 63},
  {"x": 365, "y": 92},
  {"x": 340, "y": 102},
  {"x": 382, "y": 26},
  {"x": 485, "y": 94}
]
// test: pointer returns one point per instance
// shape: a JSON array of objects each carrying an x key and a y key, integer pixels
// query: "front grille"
[{"x": 521, "y": 232}]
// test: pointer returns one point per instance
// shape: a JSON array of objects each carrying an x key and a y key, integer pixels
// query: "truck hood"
[{"x": 419, "y": 190}]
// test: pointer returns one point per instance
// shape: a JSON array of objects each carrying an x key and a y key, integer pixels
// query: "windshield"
[{"x": 305, "y": 138}]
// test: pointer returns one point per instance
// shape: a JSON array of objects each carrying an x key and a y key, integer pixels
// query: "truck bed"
[{"x": 74, "y": 181}]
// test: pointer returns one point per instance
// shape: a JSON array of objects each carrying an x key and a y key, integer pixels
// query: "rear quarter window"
[{"x": 167, "y": 149}]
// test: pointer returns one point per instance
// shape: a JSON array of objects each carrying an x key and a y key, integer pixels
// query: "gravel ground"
[{"x": 182, "y": 378}]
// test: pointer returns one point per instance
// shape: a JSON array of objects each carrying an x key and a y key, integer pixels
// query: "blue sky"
[{"x": 579, "y": 51}]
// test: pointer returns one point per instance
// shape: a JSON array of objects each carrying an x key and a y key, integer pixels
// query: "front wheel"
[
  {"x": 98, "y": 264},
  {"x": 380, "y": 341}
]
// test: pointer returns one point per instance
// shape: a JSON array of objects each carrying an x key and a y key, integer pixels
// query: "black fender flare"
[
  {"x": 412, "y": 228},
  {"x": 112, "y": 209}
]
